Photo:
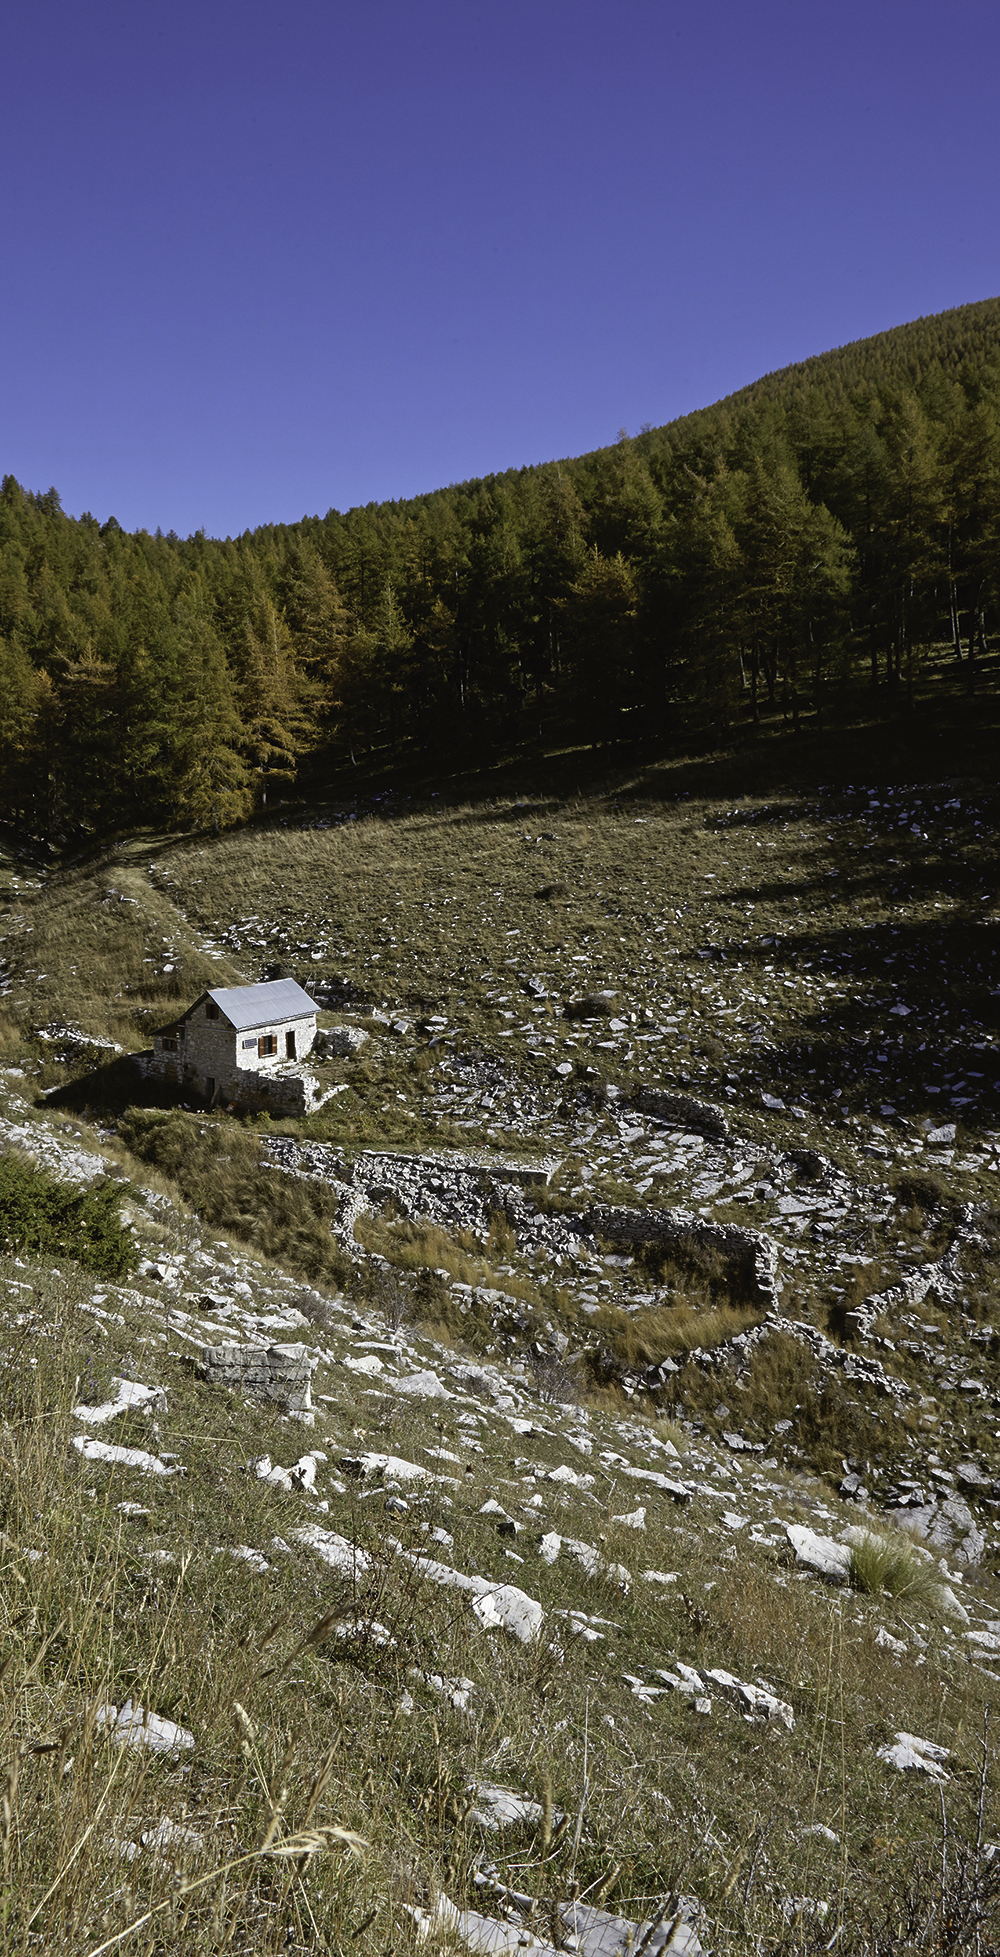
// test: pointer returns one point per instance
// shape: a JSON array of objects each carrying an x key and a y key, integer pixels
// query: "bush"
[
  {"x": 58, "y": 1219},
  {"x": 920, "y": 1189}
]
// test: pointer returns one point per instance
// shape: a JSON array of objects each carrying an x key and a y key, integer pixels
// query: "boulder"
[
  {"x": 830, "y": 1559},
  {"x": 339, "y": 1042},
  {"x": 699, "y": 1117},
  {"x": 593, "y": 1005},
  {"x": 910, "y": 1754}
]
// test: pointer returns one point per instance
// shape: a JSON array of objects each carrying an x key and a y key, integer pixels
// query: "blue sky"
[{"x": 260, "y": 261}]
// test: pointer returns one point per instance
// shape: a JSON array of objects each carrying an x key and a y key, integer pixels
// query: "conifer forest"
[{"x": 818, "y": 533}]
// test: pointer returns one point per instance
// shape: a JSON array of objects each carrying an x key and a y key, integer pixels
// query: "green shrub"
[{"x": 58, "y": 1219}]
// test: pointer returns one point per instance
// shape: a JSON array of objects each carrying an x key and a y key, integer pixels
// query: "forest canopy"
[{"x": 828, "y": 524}]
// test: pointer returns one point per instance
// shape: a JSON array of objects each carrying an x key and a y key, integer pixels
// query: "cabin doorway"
[{"x": 289, "y": 1046}]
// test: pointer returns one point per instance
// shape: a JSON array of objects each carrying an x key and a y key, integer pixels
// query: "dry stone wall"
[{"x": 279, "y": 1375}]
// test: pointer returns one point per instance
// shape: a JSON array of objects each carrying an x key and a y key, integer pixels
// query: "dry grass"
[
  {"x": 885, "y": 1563},
  {"x": 420, "y": 1245},
  {"x": 653, "y": 1333},
  {"x": 301, "y": 1752},
  {"x": 218, "y": 1170},
  {"x": 436, "y": 911}
]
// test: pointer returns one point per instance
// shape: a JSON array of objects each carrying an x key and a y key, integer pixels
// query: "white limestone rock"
[
  {"x": 134, "y": 1726},
  {"x": 830, "y": 1559},
  {"x": 909, "y": 1754}
]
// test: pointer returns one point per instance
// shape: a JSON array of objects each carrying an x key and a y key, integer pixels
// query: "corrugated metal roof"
[{"x": 261, "y": 1005}]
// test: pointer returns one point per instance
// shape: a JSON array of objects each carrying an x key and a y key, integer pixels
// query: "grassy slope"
[{"x": 435, "y": 909}]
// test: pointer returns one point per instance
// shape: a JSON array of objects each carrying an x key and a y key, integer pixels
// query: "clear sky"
[{"x": 261, "y": 260}]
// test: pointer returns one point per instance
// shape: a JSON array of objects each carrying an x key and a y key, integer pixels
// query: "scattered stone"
[
  {"x": 386, "y": 1467},
  {"x": 676, "y": 1489},
  {"x": 759, "y": 1701},
  {"x": 887, "y": 1642},
  {"x": 425, "y": 1386},
  {"x": 339, "y": 1042},
  {"x": 302, "y": 1476},
  {"x": 124, "y": 1457},
  {"x": 500, "y": 1807},
  {"x": 830, "y": 1559},
  {"x": 589, "y": 1932},
  {"x": 340, "y": 1555},
  {"x": 166, "y": 1837},
  {"x": 129, "y": 1394}
]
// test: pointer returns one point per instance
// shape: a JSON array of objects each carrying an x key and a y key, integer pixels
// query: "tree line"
[{"x": 830, "y": 523}]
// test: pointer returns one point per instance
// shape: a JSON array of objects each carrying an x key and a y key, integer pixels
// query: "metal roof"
[{"x": 261, "y": 1005}]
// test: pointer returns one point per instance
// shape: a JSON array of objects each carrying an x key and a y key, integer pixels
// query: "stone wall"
[
  {"x": 279, "y": 1375},
  {"x": 248, "y": 1057},
  {"x": 751, "y": 1252},
  {"x": 293, "y": 1090},
  {"x": 209, "y": 1051}
]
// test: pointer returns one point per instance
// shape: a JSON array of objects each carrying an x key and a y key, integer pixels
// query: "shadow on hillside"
[
  {"x": 112, "y": 1088},
  {"x": 910, "y": 1024},
  {"x": 868, "y": 735}
]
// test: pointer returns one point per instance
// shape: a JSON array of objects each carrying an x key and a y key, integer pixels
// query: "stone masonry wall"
[
  {"x": 305, "y": 1037},
  {"x": 212, "y": 1050},
  {"x": 209, "y": 1051}
]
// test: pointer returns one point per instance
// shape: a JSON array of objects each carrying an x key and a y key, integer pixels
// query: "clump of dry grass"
[
  {"x": 698, "y": 1274},
  {"x": 656, "y": 1332},
  {"x": 418, "y": 1245},
  {"x": 890, "y": 1565}
]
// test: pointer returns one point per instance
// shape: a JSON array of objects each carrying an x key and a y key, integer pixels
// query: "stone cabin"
[{"x": 243, "y": 1045}]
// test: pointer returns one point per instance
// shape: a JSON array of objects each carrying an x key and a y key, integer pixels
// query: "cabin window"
[
  {"x": 267, "y": 1044},
  {"x": 290, "y": 1046},
  {"x": 211, "y": 1010},
  {"x": 170, "y": 1046}
]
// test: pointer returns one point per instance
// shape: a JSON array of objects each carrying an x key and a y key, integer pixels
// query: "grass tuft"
[{"x": 891, "y": 1566}]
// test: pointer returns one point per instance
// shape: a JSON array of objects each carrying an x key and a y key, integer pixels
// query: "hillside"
[
  {"x": 637, "y": 1577},
  {"x": 816, "y": 555}
]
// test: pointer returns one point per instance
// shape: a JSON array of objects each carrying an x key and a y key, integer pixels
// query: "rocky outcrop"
[
  {"x": 683, "y": 1111},
  {"x": 339, "y": 1042}
]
